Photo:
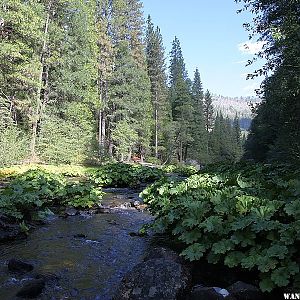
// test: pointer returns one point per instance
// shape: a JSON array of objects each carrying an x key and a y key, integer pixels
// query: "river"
[{"x": 88, "y": 254}]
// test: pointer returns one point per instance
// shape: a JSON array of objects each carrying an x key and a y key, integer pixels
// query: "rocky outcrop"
[
  {"x": 244, "y": 291},
  {"x": 158, "y": 277}
]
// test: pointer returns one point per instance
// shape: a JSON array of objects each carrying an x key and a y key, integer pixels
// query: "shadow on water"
[{"x": 89, "y": 255}]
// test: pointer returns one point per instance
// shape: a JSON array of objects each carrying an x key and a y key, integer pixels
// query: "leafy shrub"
[
  {"x": 62, "y": 141},
  {"x": 182, "y": 170},
  {"x": 14, "y": 145},
  {"x": 124, "y": 175},
  {"x": 82, "y": 195},
  {"x": 32, "y": 192},
  {"x": 244, "y": 216},
  {"x": 65, "y": 170},
  {"x": 153, "y": 160}
]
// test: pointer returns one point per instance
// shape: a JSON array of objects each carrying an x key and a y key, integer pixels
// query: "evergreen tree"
[
  {"x": 156, "y": 71},
  {"x": 105, "y": 60},
  {"x": 181, "y": 101},
  {"x": 275, "y": 129},
  {"x": 71, "y": 76},
  {"x": 208, "y": 111},
  {"x": 199, "y": 147},
  {"x": 237, "y": 138},
  {"x": 129, "y": 95},
  {"x": 23, "y": 33},
  {"x": 225, "y": 140}
]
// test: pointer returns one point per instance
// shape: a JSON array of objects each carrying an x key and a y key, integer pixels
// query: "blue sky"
[{"x": 212, "y": 38}]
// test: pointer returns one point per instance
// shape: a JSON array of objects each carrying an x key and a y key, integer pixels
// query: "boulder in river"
[
  {"x": 154, "y": 279},
  {"x": 31, "y": 289},
  {"x": 135, "y": 203},
  {"x": 79, "y": 236},
  {"x": 200, "y": 292},
  {"x": 70, "y": 211},
  {"x": 125, "y": 205},
  {"x": 8, "y": 229},
  {"x": 244, "y": 291},
  {"x": 161, "y": 252},
  {"x": 16, "y": 265},
  {"x": 103, "y": 210}
]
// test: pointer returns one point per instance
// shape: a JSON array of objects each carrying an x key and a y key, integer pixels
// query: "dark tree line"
[{"x": 275, "y": 131}]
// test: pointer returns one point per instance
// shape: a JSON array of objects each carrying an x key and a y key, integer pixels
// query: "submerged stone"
[
  {"x": 32, "y": 289},
  {"x": 70, "y": 211},
  {"x": 16, "y": 265}
]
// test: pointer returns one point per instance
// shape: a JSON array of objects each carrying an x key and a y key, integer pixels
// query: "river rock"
[
  {"x": 31, "y": 289},
  {"x": 9, "y": 234},
  {"x": 47, "y": 276},
  {"x": 165, "y": 253},
  {"x": 125, "y": 205},
  {"x": 139, "y": 234},
  {"x": 8, "y": 230},
  {"x": 103, "y": 210},
  {"x": 135, "y": 203},
  {"x": 141, "y": 207},
  {"x": 154, "y": 279},
  {"x": 70, "y": 211},
  {"x": 205, "y": 293},
  {"x": 16, "y": 265},
  {"x": 244, "y": 291},
  {"x": 79, "y": 236}
]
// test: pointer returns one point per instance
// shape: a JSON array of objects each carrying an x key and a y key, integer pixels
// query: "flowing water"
[{"x": 90, "y": 266}]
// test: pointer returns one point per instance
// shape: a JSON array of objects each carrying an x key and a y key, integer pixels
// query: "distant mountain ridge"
[{"x": 232, "y": 106}]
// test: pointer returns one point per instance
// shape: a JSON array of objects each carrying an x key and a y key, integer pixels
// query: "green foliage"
[
  {"x": 13, "y": 144},
  {"x": 182, "y": 170},
  {"x": 64, "y": 142},
  {"x": 31, "y": 193},
  {"x": 243, "y": 215},
  {"x": 82, "y": 195},
  {"x": 124, "y": 175}
]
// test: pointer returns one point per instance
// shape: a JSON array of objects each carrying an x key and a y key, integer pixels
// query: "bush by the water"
[
  {"x": 124, "y": 175},
  {"x": 182, "y": 170},
  {"x": 245, "y": 216},
  {"x": 30, "y": 194}
]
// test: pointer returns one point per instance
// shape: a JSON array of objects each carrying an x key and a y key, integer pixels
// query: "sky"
[{"x": 212, "y": 38}]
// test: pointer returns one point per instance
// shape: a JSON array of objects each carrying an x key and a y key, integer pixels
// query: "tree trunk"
[
  {"x": 102, "y": 118},
  {"x": 103, "y": 121},
  {"x": 129, "y": 155},
  {"x": 42, "y": 87},
  {"x": 156, "y": 126},
  {"x": 180, "y": 152}
]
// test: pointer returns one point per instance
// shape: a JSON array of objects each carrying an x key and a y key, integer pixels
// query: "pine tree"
[
  {"x": 275, "y": 130},
  {"x": 23, "y": 32},
  {"x": 208, "y": 111},
  {"x": 71, "y": 83},
  {"x": 181, "y": 101},
  {"x": 199, "y": 147},
  {"x": 156, "y": 71},
  {"x": 237, "y": 138},
  {"x": 129, "y": 94}
]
